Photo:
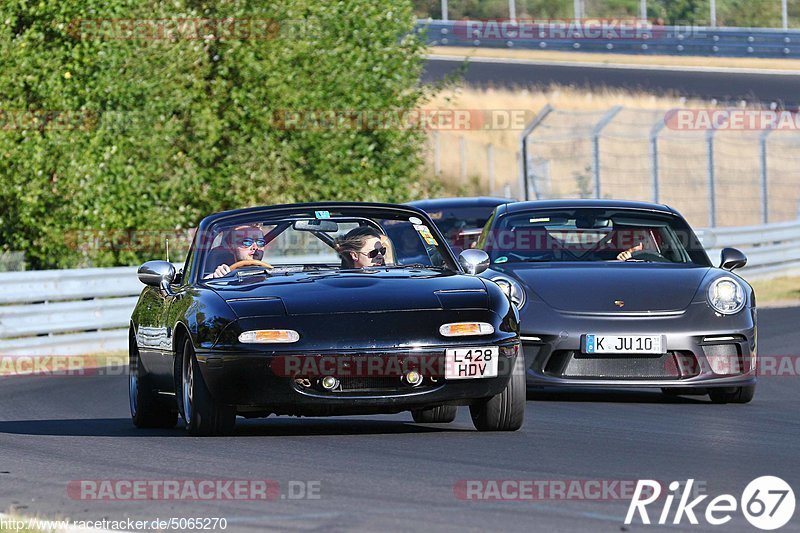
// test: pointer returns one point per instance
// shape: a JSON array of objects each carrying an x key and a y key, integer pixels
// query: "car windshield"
[
  {"x": 454, "y": 221},
  {"x": 347, "y": 238},
  {"x": 592, "y": 235}
]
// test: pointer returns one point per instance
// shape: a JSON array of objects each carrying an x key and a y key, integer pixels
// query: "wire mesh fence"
[{"x": 715, "y": 176}]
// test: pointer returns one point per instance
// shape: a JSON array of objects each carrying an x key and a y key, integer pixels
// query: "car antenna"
[{"x": 167, "y": 247}]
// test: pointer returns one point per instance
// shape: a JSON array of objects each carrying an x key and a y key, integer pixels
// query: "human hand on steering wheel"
[
  {"x": 248, "y": 262},
  {"x": 627, "y": 254}
]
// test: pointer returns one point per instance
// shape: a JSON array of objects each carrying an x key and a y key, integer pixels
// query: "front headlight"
[
  {"x": 512, "y": 289},
  {"x": 726, "y": 296}
]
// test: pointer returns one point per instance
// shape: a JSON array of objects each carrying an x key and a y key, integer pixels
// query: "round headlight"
[
  {"x": 512, "y": 290},
  {"x": 726, "y": 296}
]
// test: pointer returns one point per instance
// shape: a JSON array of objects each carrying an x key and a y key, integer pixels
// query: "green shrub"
[{"x": 162, "y": 132}]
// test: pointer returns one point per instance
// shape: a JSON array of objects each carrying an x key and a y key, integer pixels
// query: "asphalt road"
[
  {"x": 385, "y": 473},
  {"x": 724, "y": 86}
]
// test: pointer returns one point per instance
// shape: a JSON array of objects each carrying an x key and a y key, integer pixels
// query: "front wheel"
[
  {"x": 444, "y": 414},
  {"x": 504, "y": 411},
  {"x": 147, "y": 409},
  {"x": 732, "y": 394},
  {"x": 202, "y": 415}
]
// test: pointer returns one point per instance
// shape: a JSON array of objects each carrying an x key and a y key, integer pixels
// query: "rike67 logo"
[{"x": 767, "y": 503}]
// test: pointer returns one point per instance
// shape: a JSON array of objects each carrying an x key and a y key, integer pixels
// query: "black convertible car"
[
  {"x": 323, "y": 309},
  {"x": 622, "y": 294}
]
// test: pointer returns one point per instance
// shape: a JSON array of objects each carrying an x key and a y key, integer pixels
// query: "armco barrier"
[
  {"x": 64, "y": 312},
  {"x": 660, "y": 40}
]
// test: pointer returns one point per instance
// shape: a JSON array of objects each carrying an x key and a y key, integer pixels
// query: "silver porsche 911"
[{"x": 622, "y": 294}]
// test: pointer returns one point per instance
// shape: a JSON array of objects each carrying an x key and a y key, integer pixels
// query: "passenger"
[
  {"x": 362, "y": 247},
  {"x": 242, "y": 243}
]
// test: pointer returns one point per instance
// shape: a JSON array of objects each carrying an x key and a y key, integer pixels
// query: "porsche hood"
[{"x": 594, "y": 288}]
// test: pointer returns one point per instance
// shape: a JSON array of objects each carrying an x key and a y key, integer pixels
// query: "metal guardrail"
[
  {"x": 772, "y": 249},
  {"x": 71, "y": 312},
  {"x": 658, "y": 40}
]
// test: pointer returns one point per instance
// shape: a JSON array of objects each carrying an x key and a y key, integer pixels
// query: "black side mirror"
[{"x": 731, "y": 258}]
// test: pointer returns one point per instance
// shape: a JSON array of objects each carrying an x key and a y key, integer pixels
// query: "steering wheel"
[
  {"x": 647, "y": 255},
  {"x": 249, "y": 262}
]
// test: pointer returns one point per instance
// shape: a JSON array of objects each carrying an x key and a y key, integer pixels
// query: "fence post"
[
  {"x": 490, "y": 163},
  {"x": 444, "y": 10},
  {"x": 657, "y": 127},
  {"x": 713, "y": 13},
  {"x": 643, "y": 9},
  {"x": 784, "y": 15},
  {"x": 712, "y": 195},
  {"x": 596, "y": 145},
  {"x": 462, "y": 152},
  {"x": 762, "y": 153},
  {"x": 577, "y": 9},
  {"x": 437, "y": 154},
  {"x": 523, "y": 141},
  {"x": 512, "y": 10}
]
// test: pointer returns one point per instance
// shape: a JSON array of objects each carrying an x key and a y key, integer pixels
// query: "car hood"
[
  {"x": 351, "y": 292},
  {"x": 595, "y": 287}
]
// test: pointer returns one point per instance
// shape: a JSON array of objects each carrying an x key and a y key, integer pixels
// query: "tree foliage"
[{"x": 112, "y": 128}]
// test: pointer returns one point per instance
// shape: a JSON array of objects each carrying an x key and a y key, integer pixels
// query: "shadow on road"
[
  {"x": 276, "y": 427},
  {"x": 612, "y": 396}
]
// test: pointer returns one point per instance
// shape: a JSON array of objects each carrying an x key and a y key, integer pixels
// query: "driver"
[
  {"x": 644, "y": 243},
  {"x": 242, "y": 243}
]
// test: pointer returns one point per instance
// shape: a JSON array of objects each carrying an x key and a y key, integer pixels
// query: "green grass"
[{"x": 785, "y": 290}]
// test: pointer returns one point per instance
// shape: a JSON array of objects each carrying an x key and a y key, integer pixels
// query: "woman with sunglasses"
[
  {"x": 362, "y": 247},
  {"x": 240, "y": 244}
]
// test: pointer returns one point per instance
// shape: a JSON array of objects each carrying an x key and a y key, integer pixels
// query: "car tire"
[
  {"x": 732, "y": 394},
  {"x": 443, "y": 414},
  {"x": 504, "y": 411},
  {"x": 147, "y": 409},
  {"x": 202, "y": 415}
]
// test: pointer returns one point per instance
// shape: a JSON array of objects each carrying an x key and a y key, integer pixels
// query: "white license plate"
[
  {"x": 471, "y": 363},
  {"x": 652, "y": 344}
]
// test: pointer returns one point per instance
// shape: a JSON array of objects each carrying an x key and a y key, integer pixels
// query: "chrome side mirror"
[
  {"x": 157, "y": 274},
  {"x": 731, "y": 258},
  {"x": 473, "y": 261}
]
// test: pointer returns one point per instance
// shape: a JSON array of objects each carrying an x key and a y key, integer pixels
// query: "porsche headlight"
[
  {"x": 726, "y": 296},
  {"x": 512, "y": 290}
]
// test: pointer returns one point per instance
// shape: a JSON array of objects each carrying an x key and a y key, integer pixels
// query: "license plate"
[
  {"x": 644, "y": 344},
  {"x": 471, "y": 363}
]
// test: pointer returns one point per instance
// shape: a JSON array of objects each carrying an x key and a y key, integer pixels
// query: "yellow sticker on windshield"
[{"x": 425, "y": 233}]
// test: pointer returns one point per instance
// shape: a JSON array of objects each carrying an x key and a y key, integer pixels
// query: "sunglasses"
[
  {"x": 247, "y": 243},
  {"x": 374, "y": 253}
]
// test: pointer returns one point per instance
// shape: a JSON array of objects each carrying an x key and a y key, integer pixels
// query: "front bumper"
[
  {"x": 702, "y": 351},
  {"x": 258, "y": 383}
]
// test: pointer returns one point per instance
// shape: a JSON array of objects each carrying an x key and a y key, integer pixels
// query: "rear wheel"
[
  {"x": 435, "y": 415},
  {"x": 504, "y": 411},
  {"x": 147, "y": 409},
  {"x": 202, "y": 415},
  {"x": 732, "y": 394}
]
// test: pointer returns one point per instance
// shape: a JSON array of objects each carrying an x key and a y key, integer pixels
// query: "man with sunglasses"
[{"x": 242, "y": 243}]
